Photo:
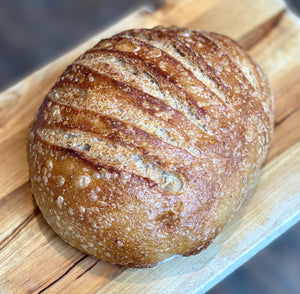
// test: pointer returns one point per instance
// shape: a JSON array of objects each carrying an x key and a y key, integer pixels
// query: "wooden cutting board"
[{"x": 34, "y": 260}]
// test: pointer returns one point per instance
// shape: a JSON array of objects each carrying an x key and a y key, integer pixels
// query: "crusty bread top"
[{"x": 167, "y": 125}]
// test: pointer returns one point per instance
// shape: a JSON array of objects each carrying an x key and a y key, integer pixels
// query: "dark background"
[{"x": 34, "y": 32}]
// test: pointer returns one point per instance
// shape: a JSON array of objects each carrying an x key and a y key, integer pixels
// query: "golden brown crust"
[{"x": 148, "y": 143}]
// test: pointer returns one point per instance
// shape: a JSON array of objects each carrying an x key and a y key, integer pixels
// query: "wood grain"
[{"x": 33, "y": 259}]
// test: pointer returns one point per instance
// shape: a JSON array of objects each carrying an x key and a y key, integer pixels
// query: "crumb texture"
[{"x": 148, "y": 143}]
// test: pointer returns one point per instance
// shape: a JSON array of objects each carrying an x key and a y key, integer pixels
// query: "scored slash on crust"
[{"x": 148, "y": 143}]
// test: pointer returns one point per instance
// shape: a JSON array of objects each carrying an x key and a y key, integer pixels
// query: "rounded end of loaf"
[{"x": 148, "y": 143}]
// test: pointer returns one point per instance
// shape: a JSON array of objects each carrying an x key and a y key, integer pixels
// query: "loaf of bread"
[{"x": 148, "y": 143}]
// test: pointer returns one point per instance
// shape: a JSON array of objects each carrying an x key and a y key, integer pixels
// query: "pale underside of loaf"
[{"x": 148, "y": 143}]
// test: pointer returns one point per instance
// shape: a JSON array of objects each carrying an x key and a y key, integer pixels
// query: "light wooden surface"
[{"x": 33, "y": 259}]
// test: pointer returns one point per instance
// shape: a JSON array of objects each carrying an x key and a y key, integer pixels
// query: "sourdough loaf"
[{"x": 147, "y": 144}]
